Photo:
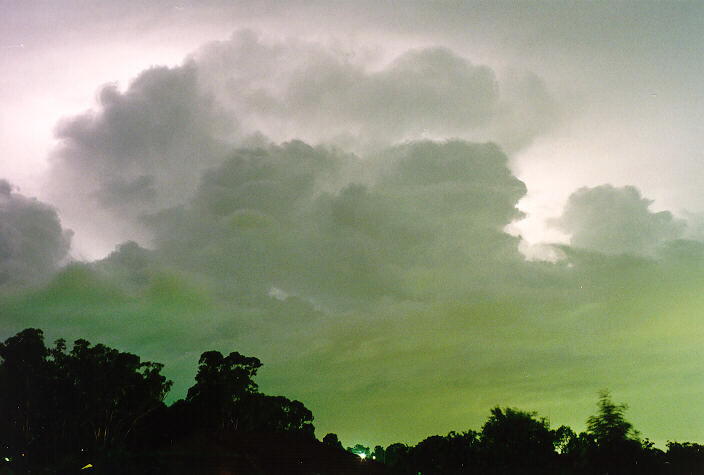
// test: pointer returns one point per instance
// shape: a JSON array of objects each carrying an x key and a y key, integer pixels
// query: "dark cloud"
[
  {"x": 119, "y": 193},
  {"x": 617, "y": 221},
  {"x": 142, "y": 150},
  {"x": 32, "y": 241},
  {"x": 268, "y": 218},
  {"x": 139, "y": 151}
]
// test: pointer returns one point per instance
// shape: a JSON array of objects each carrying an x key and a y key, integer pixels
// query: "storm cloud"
[
  {"x": 143, "y": 149},
  {"x": 32, "y": 240},
  {"x": 340, "y": 211},
  {"x": 617, "y": 221}
]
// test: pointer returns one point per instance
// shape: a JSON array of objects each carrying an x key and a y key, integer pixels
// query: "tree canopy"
[{"x": 61, "y": 407}]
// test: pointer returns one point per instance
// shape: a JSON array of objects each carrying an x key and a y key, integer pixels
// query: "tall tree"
[
  {"x": 511, "y": 437},
  {"x": 55, "y": 403},
  {"x": 222, "y": 382},
  {"x": 260, "y": 412},
  {"x": 26, "y": 394},
  {"x": 112, "y": 390},
  {"x": 615, "y": 445},
  {"x": 609, "y": 425}
]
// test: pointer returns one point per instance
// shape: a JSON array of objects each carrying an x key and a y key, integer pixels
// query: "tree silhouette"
[
  {"x": 615, "y": 445},
  {"x": 111, "y": 390},
  {"x": 378, "y": 453},
  {"x": 61, "y": 407},
  {"x": 397, "y": 458},
  {"x": 510, "y": 437},
  {"x": 55, "y": 405},
  {"x": 222, "y": 382},
  {"x": 609, "y": 426},
  {"x": 25, "y": 394},
  {"x": 331, "y": 440},
  {"x": 452, "y": 454},
  {"x": 685, "y": 458},
  {"x": 260, "y": 412}
]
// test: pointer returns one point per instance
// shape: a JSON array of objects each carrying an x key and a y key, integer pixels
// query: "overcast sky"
[{"x": 410, "y": 211}]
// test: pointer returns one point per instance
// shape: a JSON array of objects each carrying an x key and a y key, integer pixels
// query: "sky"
[{"x": 409, "y": 211}]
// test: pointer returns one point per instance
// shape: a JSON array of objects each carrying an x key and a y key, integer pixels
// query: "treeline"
[
  {"x": 101, "y": 409},
  {"x": 517, "y": 442},
  {"x": 92, "y": 405}
]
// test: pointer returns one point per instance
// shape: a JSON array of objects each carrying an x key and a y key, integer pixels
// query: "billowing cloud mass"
[
  {"x": 361, "y": 97},
  {"x": 135, "y": 153},
  {"x": 617, "y": 221},
  {"x": 340, "y": 212},
  {"x": 143, "y": 149},
  {"x": 32, "y": 241}
]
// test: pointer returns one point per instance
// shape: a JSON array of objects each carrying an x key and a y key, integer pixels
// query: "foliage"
[
  {"x": 685, "y": 457},
  {"x": 454, "y": 453},
  {"x": 331, "y": 440},
  {"x": 260, "y": 412},
  {"x": 225, "y": 397},
  {"x": 609, "y": 426},
  {"x": 509, "y": 437},
  {"x": 222, "y": 382},
  {"x": 60, "y": 408},
  {"x": 57, "y": 404},
  {"x": 360, "y": 450}
]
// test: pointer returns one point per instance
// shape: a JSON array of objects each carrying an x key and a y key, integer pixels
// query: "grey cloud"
[
  {"x": 268, "y": 218},
  {"x": 149, "y": 137},
  {"x": 143, "y": 149},
  {"x": 118, "y": 193},
  {"x": 402, "y": 272},
  {"x": 429, "y": 90},
  {"x": 617, "y": 221},
  {"x": 139, "y": 151},
  {"x": 329, "y": 93},
  {"x": 32, "y": 240}
]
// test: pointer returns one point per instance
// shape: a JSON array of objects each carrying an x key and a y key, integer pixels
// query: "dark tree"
[
  {"x": 113, "y": 390},
  {"x": 222, "y": 382},
  {"x": 615, "y": 446},
  {"x": 511, "y": 437},
  {"x": 378, "y": 454},
  {"x": 397, "y": 457},
  {"x": 360, "y": 450},
  {"x": 55, "y": 405},
  {"x": 454, "y": 453},
  {"x": 685, "y": 458},
  {"x": 331, "y": 440},
  {"x": 26, "y": 392},
  {"x": 609, "y": 426},
  {"x": 260, "y": 412}
]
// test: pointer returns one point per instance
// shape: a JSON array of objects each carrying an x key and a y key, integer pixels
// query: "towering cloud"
[
  {"x": 143, "y": 149},
  {"x": 340, "y": 213},
  {"x": 279, "y": 217},
  {"x": 617, "y": 221},
  {"x": 32, "y": 241},
  {"x": 358, "y": 97}
]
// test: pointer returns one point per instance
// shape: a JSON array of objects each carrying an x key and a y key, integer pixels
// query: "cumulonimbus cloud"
[
  {"x": 143, "y": 148},
  {"x": 616, "y": 221},
  {"x": 309, "y": 207},
  {"x": 32, "y": 240}
]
